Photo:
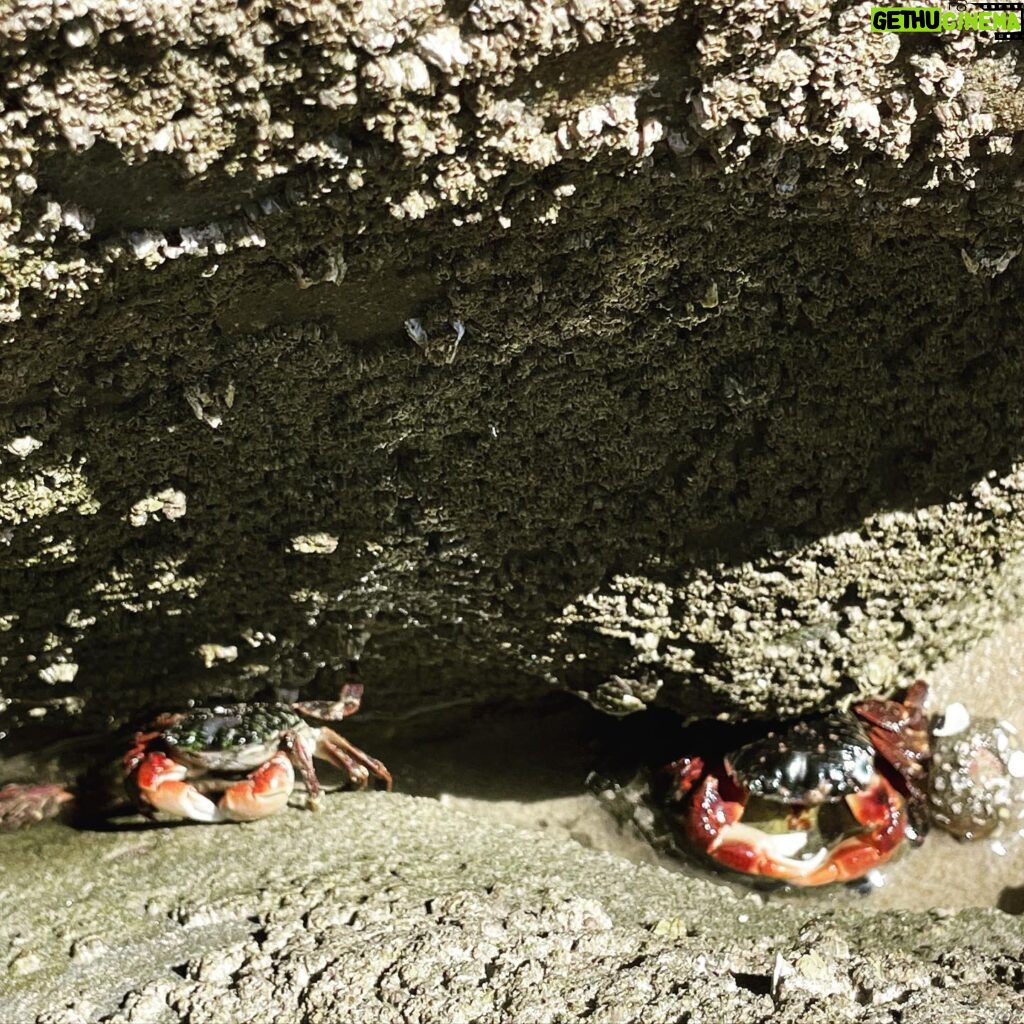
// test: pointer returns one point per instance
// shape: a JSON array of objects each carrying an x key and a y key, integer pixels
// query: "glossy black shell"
[{"x": 813, "y": 761}]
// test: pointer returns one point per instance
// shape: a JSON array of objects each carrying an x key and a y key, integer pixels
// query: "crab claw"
[
  {"x": 883, "y": 813},
  {"x": 686, "y": 773},
  {"x": 347, "y": 704},
  {"x": 714, "y": 826},
  {"x": 158, "y": 781},
  {"x": 263, "y": 792},
  {"x": 899, "y": 732}
]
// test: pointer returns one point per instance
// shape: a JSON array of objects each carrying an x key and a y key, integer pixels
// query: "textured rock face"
[
  {"x": 711, "y": 391},
  {"x": 388, "y": 908},
  {"x": 657, "y": 351}
]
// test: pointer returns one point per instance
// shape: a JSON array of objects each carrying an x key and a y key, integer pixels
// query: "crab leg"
[
  {"x": 347, "y": 704},
  {"x": 356, "y": 763},
  {"x": 713, "y": 825},
  {"x": 302, "y": 758},
  {"x": 22, "y": 804}
]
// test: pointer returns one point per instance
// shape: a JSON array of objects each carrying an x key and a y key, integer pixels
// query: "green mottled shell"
[{"x": 230, "y": 736}]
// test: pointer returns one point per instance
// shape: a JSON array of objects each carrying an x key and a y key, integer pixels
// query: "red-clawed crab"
[
  {"x": 208, "y": 749},
  {"x": 827, "y": 799}
]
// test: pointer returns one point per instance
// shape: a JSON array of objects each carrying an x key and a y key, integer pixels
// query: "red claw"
[
  {"x": 265, "y": 791},
  {"x": 710, "y": 816},
  {"x": 159, "y": 782},
  {"x": 882, "y": 810},
  {"x": 714, "y": 826},
  {"x": 686, "y": 773}
]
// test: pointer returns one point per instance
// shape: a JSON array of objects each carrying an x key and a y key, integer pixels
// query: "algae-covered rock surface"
[
  {"x": 668, "y": 353},
  {"x": 388, "y": 908},
  {"x": 660, "y": 351}
]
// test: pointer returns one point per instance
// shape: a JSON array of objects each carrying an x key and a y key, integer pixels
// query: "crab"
[
  {"x": 826, "y": 799},
  {"x": 181, "y": 757},
  {"x": 22, "y": 805}
]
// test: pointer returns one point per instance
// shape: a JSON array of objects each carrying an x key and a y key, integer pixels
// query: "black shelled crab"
[{"x": 826, "y": 799}]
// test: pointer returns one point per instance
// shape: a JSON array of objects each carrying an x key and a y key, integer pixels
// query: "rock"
[
  {"x": 391, "y": 907},
  {"x": 712, "y": 395}
]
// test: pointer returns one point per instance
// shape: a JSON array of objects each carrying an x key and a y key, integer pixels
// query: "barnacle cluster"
[{"x": 977, "y": 774}]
